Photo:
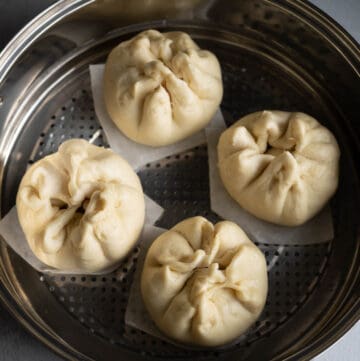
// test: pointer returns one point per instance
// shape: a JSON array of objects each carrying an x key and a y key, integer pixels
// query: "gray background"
[{"x": 15, "y": 343}]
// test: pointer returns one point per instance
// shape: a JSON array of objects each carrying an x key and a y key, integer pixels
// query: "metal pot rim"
[{"x": 350, "y": 49}]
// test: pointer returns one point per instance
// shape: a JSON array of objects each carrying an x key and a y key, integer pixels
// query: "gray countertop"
[{"x": 15, "y": 343}]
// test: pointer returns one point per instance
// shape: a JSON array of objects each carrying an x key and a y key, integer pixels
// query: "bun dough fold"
[
  {"x": 81, "y": 207},
  {"x": 281, "y": 167},
  {"x": 160, "y": 88},
  {"x": 204, "y": 284}
]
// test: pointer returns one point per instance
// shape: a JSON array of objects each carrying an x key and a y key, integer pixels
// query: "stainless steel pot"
[{"x": 274, "y": 54}]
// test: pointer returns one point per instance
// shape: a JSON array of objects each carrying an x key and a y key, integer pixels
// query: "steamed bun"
[
  {"x": 279, "y": 166},
  {"x": 81, "y": 207},
  {"x": 160, "y": 88},
  {"x": 204, "y": 284}
]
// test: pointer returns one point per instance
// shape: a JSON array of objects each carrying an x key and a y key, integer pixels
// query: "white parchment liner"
[
  {"x": 317, "y": 230},
  {"x": 137, "y": 154},
  {"x": 136, "y": 314}
]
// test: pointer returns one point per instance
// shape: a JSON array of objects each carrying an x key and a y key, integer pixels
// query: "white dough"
[
  {"x": 204, "y": 284},
  {"x": 281, "y": 167},
  {"x": 160, "y": 88},
  {"x": 81, "y": 207}
]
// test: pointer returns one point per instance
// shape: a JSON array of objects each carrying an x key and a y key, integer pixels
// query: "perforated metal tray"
[{"x": 274, "y": 55}]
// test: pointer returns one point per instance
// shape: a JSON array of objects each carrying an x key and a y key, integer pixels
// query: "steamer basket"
[{"x": 274, "y": 54}]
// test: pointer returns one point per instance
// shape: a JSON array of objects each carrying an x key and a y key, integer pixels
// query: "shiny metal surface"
[{"x": 281, "y": 54}]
